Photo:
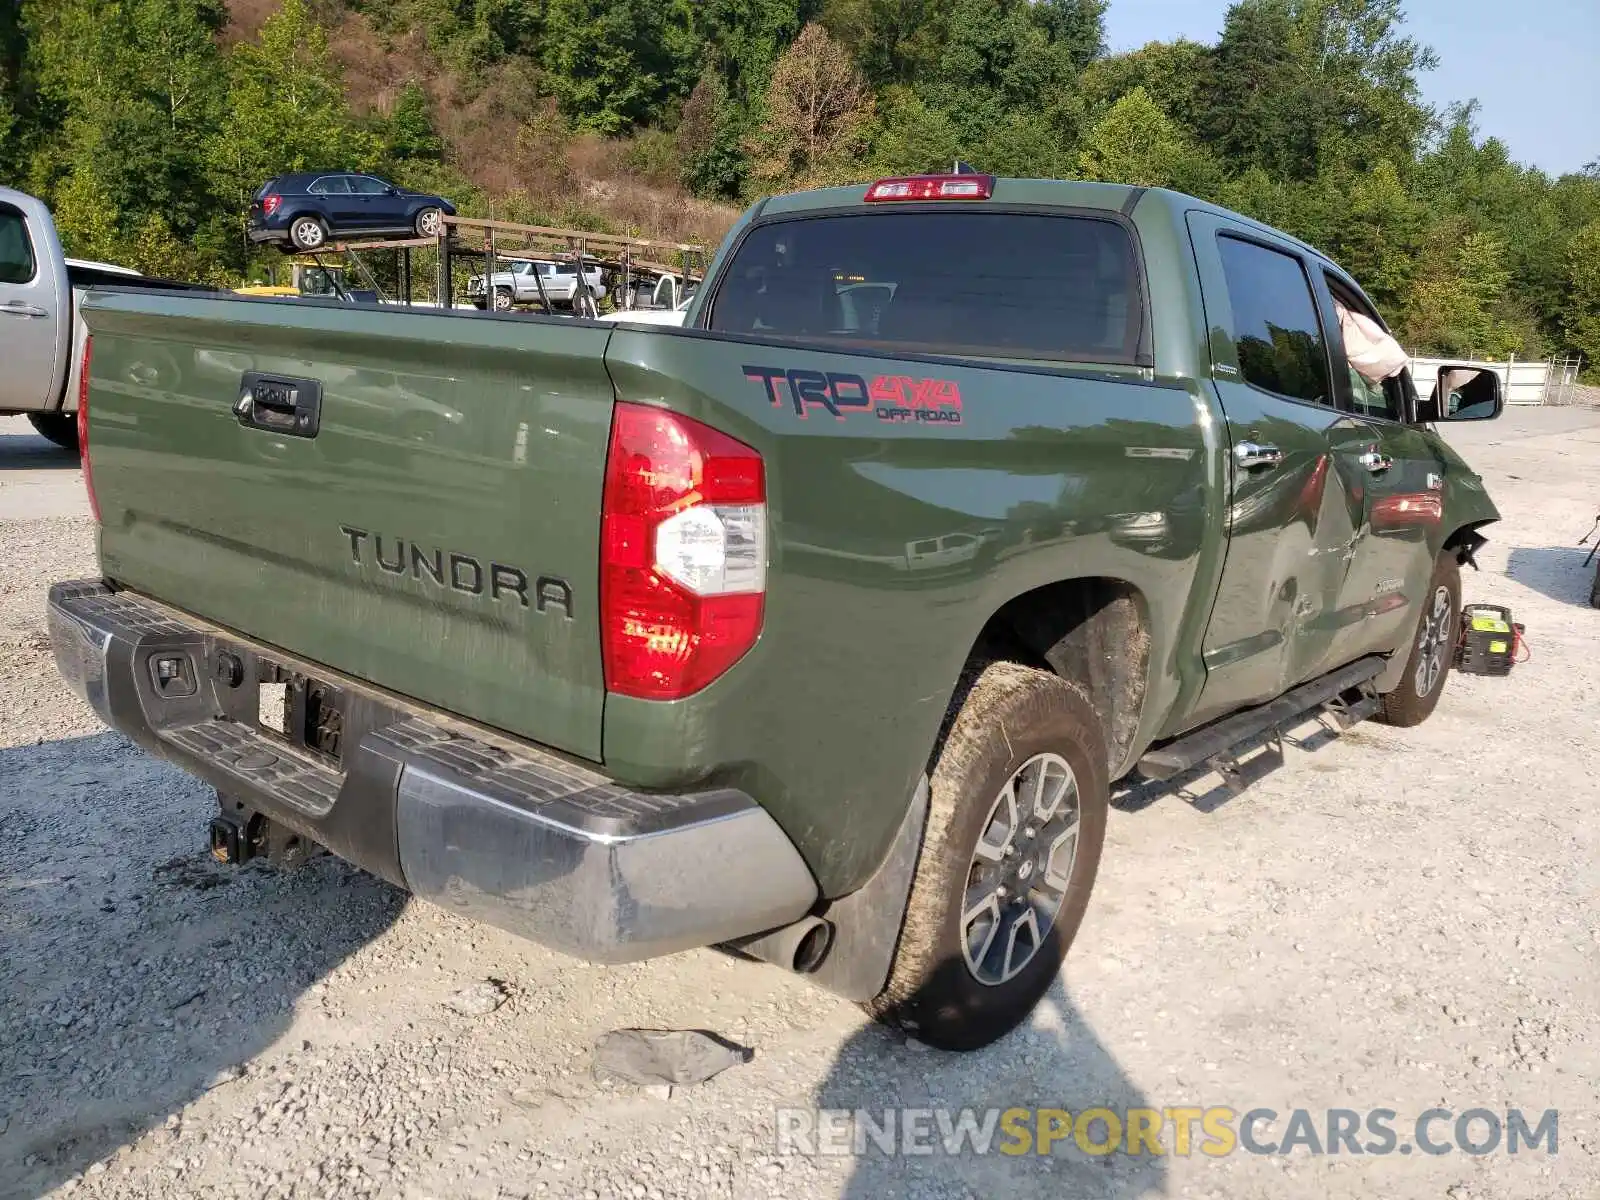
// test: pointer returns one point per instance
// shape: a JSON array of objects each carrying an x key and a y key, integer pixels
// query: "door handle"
[
  {"x": 18, "y": 308},
  {"x": 1376, "y": 462},
  {"x": 1254, "y": 454}
]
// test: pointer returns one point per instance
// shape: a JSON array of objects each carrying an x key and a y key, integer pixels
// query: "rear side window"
[
  {"x": 1275, "y": 328},
  {"x": 1009, "y": 285},
  {"x": 330, "y": 185},
  {"x": 17, "y": 264}
]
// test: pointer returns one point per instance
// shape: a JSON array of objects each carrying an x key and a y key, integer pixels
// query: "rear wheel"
[
  {"x": 1433, "y": 649},
  {"x": 1594, "y": 590},
  {"x": 1016, "y": 820},
  {"x": 503, "y": 299},
  {"x": 60, "y": 428},
  {"x": 429, "y": 222},
  {"x": 308, "y": 233}
]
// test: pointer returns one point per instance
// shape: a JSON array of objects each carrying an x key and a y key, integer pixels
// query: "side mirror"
[
  {"x": 1465, "y": 394},
  {"x": 391, "y": 190}
]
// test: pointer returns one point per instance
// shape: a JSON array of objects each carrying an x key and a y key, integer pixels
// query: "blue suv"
[{"x": 303, "y": 212}]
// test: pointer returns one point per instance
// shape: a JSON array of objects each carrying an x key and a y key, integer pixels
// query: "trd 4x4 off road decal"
[{"x": 888, "y": 397}]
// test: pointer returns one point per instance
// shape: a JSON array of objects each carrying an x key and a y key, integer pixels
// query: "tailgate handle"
[{"x": 279, "y": 404}]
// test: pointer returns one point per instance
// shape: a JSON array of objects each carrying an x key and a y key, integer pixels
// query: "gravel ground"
[{"x": 1395, "y": 919}]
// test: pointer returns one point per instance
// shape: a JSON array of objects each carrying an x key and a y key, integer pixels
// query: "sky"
[{"x": 1530, "y": 64}]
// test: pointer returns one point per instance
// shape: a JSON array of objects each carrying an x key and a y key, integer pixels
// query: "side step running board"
[{"x": 1217, "y": 738}]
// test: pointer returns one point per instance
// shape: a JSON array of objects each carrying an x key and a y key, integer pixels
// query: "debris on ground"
[
  {"x": 478, "y": 1000},
  {"x": 678, "y": 1057}
]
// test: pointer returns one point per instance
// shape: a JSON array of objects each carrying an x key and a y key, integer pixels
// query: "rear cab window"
[
  {"x": 1277, "y": 334},
  {"x": 17, "y": 261},
  {"x": 993, "y": 283}
]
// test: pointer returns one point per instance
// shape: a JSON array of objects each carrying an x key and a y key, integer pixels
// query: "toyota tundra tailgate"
[{"x": 411, "y": 498}]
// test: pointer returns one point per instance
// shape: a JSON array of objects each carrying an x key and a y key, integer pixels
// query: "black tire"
[
  {"x": 60, "y": 428},
  {"x": 306, "y": 233},
  {"x": 504, "y": 299},
  {"x": 428, "y": 222},
  {"x": 1011, "y": 719},
  {"x": 1433, "y": 642}
]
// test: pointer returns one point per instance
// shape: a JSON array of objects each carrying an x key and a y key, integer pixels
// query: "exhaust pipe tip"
[
  {"x": 812, "y": 947},
  {"x": 801, "y": 947}
]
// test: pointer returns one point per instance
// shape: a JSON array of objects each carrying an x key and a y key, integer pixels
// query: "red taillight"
[
  {"x": 932, "y": 187},
  {"x": 683, "y": 553},
  {"x": 271, "y": 204},
  {"x": 83, "y": 424}
]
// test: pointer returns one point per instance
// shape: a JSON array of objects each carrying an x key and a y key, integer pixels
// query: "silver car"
[{"x": 520, "y": 284}]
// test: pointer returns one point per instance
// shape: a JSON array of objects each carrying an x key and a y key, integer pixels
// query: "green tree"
[
  {"x": 1377, "y": 234},
  {"x": 913, "y": 138},
  {"x": 467, "y": 36},
  {"x": 410, "y": 132},
  {"x": 995, "y": 60},
  {"x": 895, "y": 41},
  {"x": 1135, "y": 142},
  {"x": 1077, "y": 27},
  {"x": 1297, "y": 84},
  {"x": 1002, "y": 79},
  {"x": 12, "y": 103},
  {"x": 608, "y": 61},
  {"x": 1176, "y": 75},
  {"x": 126, "y": 92},
  {"x": 710, "y": 155},
  {"x": 746, "y": 37},
  {"x": 1460, "y": 286},
  {"x": 1475, "y": 182},
  {"x": 1580, "y": 316}
]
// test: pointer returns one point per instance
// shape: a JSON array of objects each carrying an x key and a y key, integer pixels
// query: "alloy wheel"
[
  {"x": 1020, "y": 869},
  {"x": 1433, "y": 643}
]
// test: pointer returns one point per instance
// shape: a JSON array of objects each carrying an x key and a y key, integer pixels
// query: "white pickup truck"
[
  {"x": 41, "y": 334},
  {"x": 520, "y": 284}
]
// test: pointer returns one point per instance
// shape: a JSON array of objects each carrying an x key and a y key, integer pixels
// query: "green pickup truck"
[{"x": 819, "y": 627}]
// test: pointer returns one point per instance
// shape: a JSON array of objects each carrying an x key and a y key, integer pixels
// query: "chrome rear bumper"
[{"x": 495, "y": 829}]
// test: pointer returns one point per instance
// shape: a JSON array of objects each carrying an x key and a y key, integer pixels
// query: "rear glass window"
[
  {"x": 16, "y": 248},
  {"x": 1275, "y": 325},
  {"x": 1010, "y": 285}
]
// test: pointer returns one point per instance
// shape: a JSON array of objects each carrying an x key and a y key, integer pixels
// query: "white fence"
[{"x": 1562, "y": 386}]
